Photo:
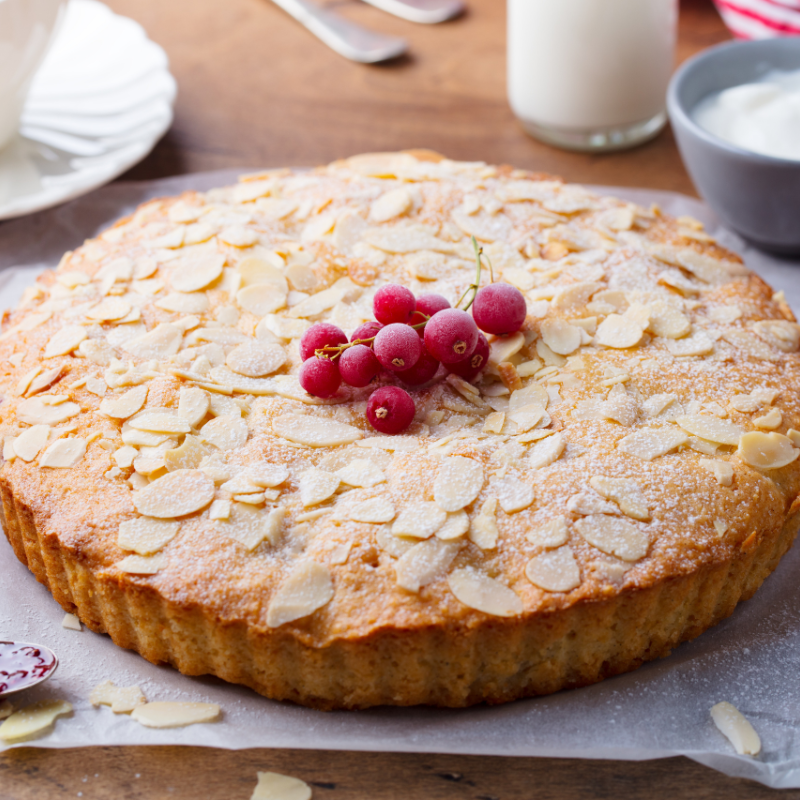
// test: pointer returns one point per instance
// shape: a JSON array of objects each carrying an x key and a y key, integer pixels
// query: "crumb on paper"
[
  {"x": 122, "y": 699},
  {"x": 71, "y": 623},
  {"x": 274, "y": 786},
  {"x": 33, "y": 720},
  {"x": 736, "y": 728}
]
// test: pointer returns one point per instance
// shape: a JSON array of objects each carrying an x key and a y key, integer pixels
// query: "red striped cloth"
[{"x": 761, "y": 19}]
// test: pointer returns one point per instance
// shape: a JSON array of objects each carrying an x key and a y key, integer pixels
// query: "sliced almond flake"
[
  {"x": 316, "y": 486},
  {"x": 552, "y": 533},
  {"x": 668, "y": 321},
  {"x": 97, "y": 386},
  {"x": 314, "y": 432},
  {"x": 182, "y": 303},
  {"x": 713, "y": 429},
  {"x": 122, "y": 699},
  {"x": 8, "y": 449},
  {"x": 769, "y": 421},
  {"x": 240, "y": 484},
  {"x": 424, "y": 562},
  {"x": 263, "y": 298},
  {"x": 340, "y": 553},
  {"x": 458, "y": 483},
  {"x": 560, "y": 336},
  {"x": 724, "y": 315},
  {"x": 308, "y": 588},
  {"x": 63, "y": 453},
  {"x": 96, "y": 351},
  {"x": 555, "y": 570},
  {"x": 521, "y": 420},
  {"x": 251, "y": 498},
  {"x": 479, "y": 591},
  {"x": 134, "y": 438},
  {"x": 455, "y": 526},
  {"x": 250, "y": 526},
  {"x": 175, "y": 494},
  {"x": 73, "y": 278},
  {"x": 255, "y": 270},
  {"x": 197, "y": 273},
  {"x": 392, "y": 204},
  {"x": 308, "y": 516},
  {"x": 698, "y": 344},
  {"x": 406, "y": 239},
  {"x": 220, "y": 509},
  {"x": 625, "y": 492},
  {"x": 255, "y": 360},
  {"x": 163, "y": 420},
  {"x": 281, "y": 327},
  {"x": 71, "y": 623},
  {"x": 614, "y": 536},
  {"x": 620, "y": 406},
  {"x": 163, "y": 341},
  {"x": 141, "y": 565},
  {"x": 171, "y": 240},
  {"x": 44, "y": 381},
  {"x": 65, "y": 341},
  {"x": 30, "y": 442},
  {"x": 533, "y": 393},
  {"x": 503, "y": 348},
  {"x": 586, "y": 503},
  {"x": 779, "y": 333},
  {"x": 324, "y": 300},
  {"x": 146, "y": 535},
  {"x": 25, "y": 381},
  {"x": 124, "y": 456},
  {"x": 546, "y": 452},
  {"x": 763, "y": 450},
  {"x": 749, "y": 344},
  {"x": 226, "y": 433},
  {"x": 650, "y": 443},
  {"x": 621, "y": 330},
  {"x": 274, "y": 786},
  {"x": 193, "y": 405},
  {"x": 736, "y": 728},
  {"x": 794, "y": 436},
  {"x": 721, "y": 470},
  {"x": 483, "y": 527},
  {"x": 361, "y": 472},
  {"x": 32, "y": 719},
  {"x": 575, "y": 296},
  {"x": 658, "y": 403},
  {"x": 30, "y": 322},
  {"x": 266, "y": 474},
  {"x": 112, "y": 308},
  {"x": 513, "y": 494},
  {"x": 175, "y": 715},
  {"x": 375, "y": 510},
  {"x": 420, "y": 520},
  {"x": 494, "y": 422}
]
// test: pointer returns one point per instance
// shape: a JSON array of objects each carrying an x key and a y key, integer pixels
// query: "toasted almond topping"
[
  {"x": 193, "y": 405},
  {"x": 188, "y": 456},
  {"x": 374, "y": 510},
  {"x": 668, "y": 321},
  {"x": 424, "y": 562},
  {"x": 44, "y": 381},
  {"x": 721, "y": 470},
  {"x": 314, "y": 432},
  {"x": 533, "y": 394},
  {"x": 508, "y": 374},
  {"x": 420, "y": 520},
  {"x": 721, "y": 527},
  {"x": 28, "y": 444},
  {"x": 560, "y": 336},
  {"x": 122, "y": 406},
  {"x": 650, "y": 443},
  {"x": 769, "y": 421},
  {"x": 698, "y": 344},
  {"x": 220, "y": 509},
  {"x": 273, "y": 786},
  {"x": 164, "y": 340},
  {"x": 735, "y": 727},
  {"x": 145, "y": 535},
  {"x": 494, "y": 422},
  {"x": 316, "y": 486},
  {"x": 226, "y": 433},
  {"x": 552, "y": 533},
  {"x": 458, "y": 483},
  {"x": 503, "y": 348},
  {"x": 308, "y": 588},
  {"x": 620, "y": 331},
  {"x": 175, "y": 715},
  {"x": 521, "y": 420},
  {"x": 586, "y": 503},
  {"x": 121, "y": 699},
  {"x": 63, "y": 453},
  {"x": 546, "y": 452},
  {"x": 794, "y": 436},
  {"x": 483, "y": 593},
  {"x": 254, "y": 360},
  {"x": 141, "y": 565},
  {"x": 763, "y": 450},
  {"x": 554, "y": 570},
  {"x": 513, "y": 494},
  {"x": 197, "y": 274},
  {"x": 711, "y": 428},
  {"x": 71, "y": 623},
  {"x": 456, "y": 525},
  {"x": 625, "y": 492},
  {"x": 392, "y": 204},
  {"x": 159, "y": 420},
  {"x": 483, "y": 528},
  {"x": 175, "y": 494},
  {"x": 361, "y": 472},
  {"x": 65, "y": 341},
  {"x": 261, "y": 299},
  {"x": 36, "y": 412},
  {"x": 614, "y": 536},
  {"x": 251, "y": 526},
  {"x": 33, "y": 719},
  {"x": 112, "y": 308}
]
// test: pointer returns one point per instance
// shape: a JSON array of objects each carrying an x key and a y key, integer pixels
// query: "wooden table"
[{"x": 257, "y": 90}]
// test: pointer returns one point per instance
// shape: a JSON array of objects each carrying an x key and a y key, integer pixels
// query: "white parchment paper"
[{"x": 751, "y": 659}]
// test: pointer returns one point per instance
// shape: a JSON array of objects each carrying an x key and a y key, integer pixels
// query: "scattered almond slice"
[
  {"x": 534, "y": 394},
  {"x": 308, "y": 588},
  {"x": 721, "y": 470},
  {"x": 560, "y": 336},
  {"x": 552, "y": 533},
  {"x": 477, "y": 590},
  {"x": 109, "y": 309},
  {"x": 44, "y": 381},
  {"x": 375, "y": 510},
  {"x": 625, "y": 492},
  {"x": 65, "y": 341},
  {"x": 554, "y": 570},
  {"x": 621, "y": 330},
  {"x": 513, "y": 494},
  {"x": 419, "y": 520},
  {"x": 163, "y": 341},
  {"x": 547, "y": 451},
  {"x": 494, "y": 422},
  {"x": 71, "y": 623},
  {"x": 33, "y": 719},
  {"x": 764, "y": 450},
  {"x": 175, "y": 715},
  {"x": 392, "y": 204},
  {"x": 458, "y": 483},
  {"x": 455, "y": 526},
  {"x": 424, "y": 562},
  {"x": 161, "y": 420},
  {"x": 650, "y": 443},
  {"x": 710, "y": 428},
  {"x": 274, "y": 786},
  {"x": 189, "y": 455},
  {"x": 36, "y": 412},
  {"x": 193, "y": 405},
  {"x": 191, "y": 276},
  {"x": 483, "y": 528},
  {"x": 736, "y": 728},
  {"x": 255, "y": 360},
  {"x": 225, "y": 432},
  {"x": 769, "y": 421},
  {"x": 698, "y": 344},
  {"x": 175, "y": 494},
  {"x": 668, "y": 321},
  {"x": 316, "y": 486},
  {"x": 63, "y": 453},
  {"x": 586, "y": 503},
  {"x": 146, "y": 535},
  {"x": 524, "y": 418},
  {"x": 249, "y": 525},
  {"x": 141, "y": 565},
  {"x": 362, "y": 473},
  {"x": 314, "y": 432},
  {"x": 614, "y": 536},
  {"x": 30, "y": 442},
  {"x": 122, "y": 406},
  {"x": 122, "y": 699}
]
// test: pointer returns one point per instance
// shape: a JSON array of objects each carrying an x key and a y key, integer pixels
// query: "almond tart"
[{"x": 621, "y": 475}]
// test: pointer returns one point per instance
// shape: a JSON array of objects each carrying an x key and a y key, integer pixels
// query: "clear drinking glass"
[{"x": 591, "y": 74}]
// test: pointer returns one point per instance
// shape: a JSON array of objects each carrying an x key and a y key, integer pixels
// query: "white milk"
[
  {"x": 763, "y": 117},
  {"x": 591, "y": 74}
]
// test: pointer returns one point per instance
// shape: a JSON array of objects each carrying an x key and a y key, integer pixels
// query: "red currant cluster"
[{"x": 411, "y": 338}]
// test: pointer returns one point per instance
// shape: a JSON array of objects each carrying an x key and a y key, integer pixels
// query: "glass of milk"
[{"x": 591, "y": 74}]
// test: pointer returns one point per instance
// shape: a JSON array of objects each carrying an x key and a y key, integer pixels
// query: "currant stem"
[
  {"x": 477, "y": 285},
  {"x": 337, "y": 350}
]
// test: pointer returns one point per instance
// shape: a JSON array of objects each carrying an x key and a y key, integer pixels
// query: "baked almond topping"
[
  {"x": 625, "y": 492},
  {"x": 122, "y": 700},
  {"x": 458, "y": 483},
  {"x": 419, "y": 521},
  {"x": 614, "y": 536},
  {"x": 479, "y": 591},
  {"x": 308, "y": 587},
  {"x": 375, "y": 510},
  {"x": 175, "y": 494},
  {"x": 554, "y": 570},
  {"x": 767, "y": 450}
]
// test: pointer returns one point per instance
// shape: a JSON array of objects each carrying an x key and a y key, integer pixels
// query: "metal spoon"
[
  {"x": 428, "y": 12},
  {"x": 345, "y": 37},
  {"x": 24, "y": 665}
]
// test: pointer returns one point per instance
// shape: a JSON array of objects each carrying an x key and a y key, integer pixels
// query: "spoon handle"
[
  {"x": 428, "y": 12},
  {"x": 345, "y": 37}
]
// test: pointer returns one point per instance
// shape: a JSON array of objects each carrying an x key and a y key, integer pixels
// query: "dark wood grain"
[{"x": 258, "y": 90}]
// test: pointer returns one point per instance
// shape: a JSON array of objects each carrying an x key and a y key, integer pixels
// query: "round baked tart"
[{"x": 620, "y": 475}]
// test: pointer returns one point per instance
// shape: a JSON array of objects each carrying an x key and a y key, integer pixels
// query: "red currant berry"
[
  {"x": 471, "y": 367},
  {"x": 320, "y": 335},
  {"x": 499, "y": 308},
  {"x": 428, "y": 304},
  {"x": 358, "y": 365},
  {"x": 320, "y": 377},
  {"x": 390, "y": 409},
  {"x": 397, "y": 347},
  {"x": 369, "y": 330},
  {"x": 422, "y": 372},
  {"x": 393, "y": 303},
  {"x": 451, "y": 335}
]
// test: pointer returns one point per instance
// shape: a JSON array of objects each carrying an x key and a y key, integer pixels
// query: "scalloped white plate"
[{"x": 100, "y": 101}]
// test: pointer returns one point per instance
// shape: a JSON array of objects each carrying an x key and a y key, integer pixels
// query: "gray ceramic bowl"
[{"x": 758, "y": 196}]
